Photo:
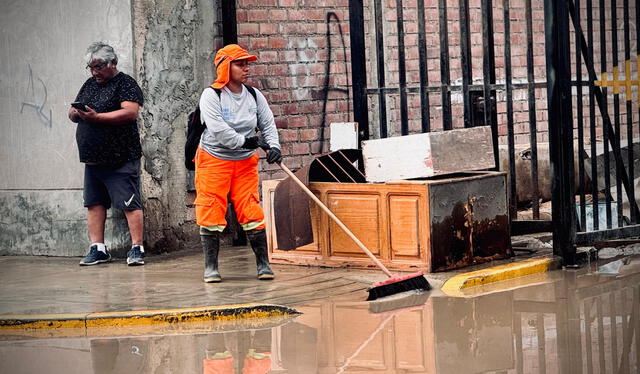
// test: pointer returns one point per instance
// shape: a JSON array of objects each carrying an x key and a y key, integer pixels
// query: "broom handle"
[{"x": 335, "y": 219}]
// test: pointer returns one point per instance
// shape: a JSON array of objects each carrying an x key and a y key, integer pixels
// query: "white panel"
[{"x": 344, "y": 135}]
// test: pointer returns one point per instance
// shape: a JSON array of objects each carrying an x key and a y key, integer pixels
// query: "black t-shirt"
[{"x": 109, "y": 144}]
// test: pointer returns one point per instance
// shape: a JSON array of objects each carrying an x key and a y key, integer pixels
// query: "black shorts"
[{"x": 119, "y": 185}]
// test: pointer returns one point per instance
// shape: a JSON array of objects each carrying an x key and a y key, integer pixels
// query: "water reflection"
[{"x": 581, "y": 322}]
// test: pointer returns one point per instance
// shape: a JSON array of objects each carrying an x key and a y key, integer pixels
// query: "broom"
[{"x": 395, "y": 283}]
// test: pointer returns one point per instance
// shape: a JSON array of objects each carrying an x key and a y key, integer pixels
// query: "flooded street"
[{"x": 583, "y": 321}]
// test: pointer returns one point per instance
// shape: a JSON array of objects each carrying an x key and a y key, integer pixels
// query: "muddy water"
[{"x": 585, "y": 321}]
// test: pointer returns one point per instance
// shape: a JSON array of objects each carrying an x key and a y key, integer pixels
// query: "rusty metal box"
[{"x": 433, "y": 224}]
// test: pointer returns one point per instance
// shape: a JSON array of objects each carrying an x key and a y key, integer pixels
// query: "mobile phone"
[{"x": 78, "y": 105}]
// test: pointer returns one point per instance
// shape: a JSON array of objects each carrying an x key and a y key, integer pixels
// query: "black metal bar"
[
  {"x": 465, "y": 61},
  {"x": 402, "y": 71},
  {"x": 638, "y": 93},
  {"x": 382, "y": 100},
  {"x": 560, "y": 129},
  {"x": 521, "y": 227},
  {"x": 341, "y": 168},
  {"x": 229, "y": 22},
  {"x": 445, "y": 78},
  {"x": 616, "y": 102},
  {"x": 608, "y": 128},
  {"x": 629, "y": 98},
  {"x": 592, "y": 125},
  {"x": 595, "y": 236},
  {"x": 531, "y": 99},
  {"x": 327, "y": 170},
  {"x": 489, "y": 73},
  {"x": 358, "y": 68},
  {"x": 603, "y": 108},
  {"x": 452, "y": 88},
  {"x": 513, "y": 196},
  {"x": 580, "y": 119},
  {"x": 424, "y": 68},
  {"x": 349, "y": 161}
]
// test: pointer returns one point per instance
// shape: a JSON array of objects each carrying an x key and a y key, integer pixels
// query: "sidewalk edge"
[
  {"x": 454, "y": 285},
  {"x": 144, "y": 317}
]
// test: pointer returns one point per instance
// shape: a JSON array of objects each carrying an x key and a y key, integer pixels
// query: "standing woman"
[{"x": 227, "y": 162}]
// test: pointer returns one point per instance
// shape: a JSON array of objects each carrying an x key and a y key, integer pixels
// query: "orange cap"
[{"x": 224, "y": 56}]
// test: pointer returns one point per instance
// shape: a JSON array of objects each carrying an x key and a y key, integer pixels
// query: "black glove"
[
  {"x": 274, "y": 156},
  {"x": 251, "y": 142}
]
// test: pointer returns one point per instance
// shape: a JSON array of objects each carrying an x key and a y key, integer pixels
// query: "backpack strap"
[{"x": 252, "y": 91}]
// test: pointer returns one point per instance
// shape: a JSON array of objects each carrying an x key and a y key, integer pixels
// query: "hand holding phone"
[{"x": 79, "y": 106}]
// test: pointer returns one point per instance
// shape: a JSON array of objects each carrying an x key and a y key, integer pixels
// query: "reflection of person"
[
  {"x": 109, "y": 146},
  {"x": 226, "y": 160},
  {"x": 219, "y": 358}
]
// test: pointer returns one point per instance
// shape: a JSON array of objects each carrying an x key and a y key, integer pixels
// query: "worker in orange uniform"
[{"x": 226, "y": 160}]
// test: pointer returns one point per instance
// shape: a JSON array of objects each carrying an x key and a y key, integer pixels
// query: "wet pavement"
[
  {"x": 567, "y": 321},
  {"x": 45, "y": 285}
]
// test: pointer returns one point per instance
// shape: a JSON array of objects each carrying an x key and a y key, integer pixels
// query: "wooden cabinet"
[{"x": 431, "y": 224}]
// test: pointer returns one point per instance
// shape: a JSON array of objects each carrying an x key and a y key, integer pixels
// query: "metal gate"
[{"x": 420, "y": 66}]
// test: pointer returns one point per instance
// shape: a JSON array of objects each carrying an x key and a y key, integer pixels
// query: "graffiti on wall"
[{"x": 37, "y": 101}]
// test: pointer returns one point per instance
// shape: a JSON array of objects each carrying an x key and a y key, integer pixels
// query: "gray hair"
[{"x": 99, "y": 51}]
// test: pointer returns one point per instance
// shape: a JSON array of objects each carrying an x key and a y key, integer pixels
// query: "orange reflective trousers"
[{"x": 216, "y": 179}]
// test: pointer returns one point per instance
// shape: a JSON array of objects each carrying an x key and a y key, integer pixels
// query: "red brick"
[
  {"x": 287, "y": 135},
  {"x": 277, "y": 43},
  {"x": 300, "y": 148},
  {"x": 256, "y": 44},
  {"x": 269, "y": 28},
  {"x": 277, "y": 15},
  {"x": 241, "y": 15},
  {"x": 257, "y": 15},
  {"x": 248, "y": 28},
  {"x": 297, "y": 121},
  {"x": 308, "y": 134},
  {"x": 268, "y": 56}
]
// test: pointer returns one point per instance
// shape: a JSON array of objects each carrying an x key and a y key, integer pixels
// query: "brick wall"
[
  {"x": 301, "y": 45},
  {"x": 301, "y": 56}
]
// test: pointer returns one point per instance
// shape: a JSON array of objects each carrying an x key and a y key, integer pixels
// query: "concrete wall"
[
  {"x": 174, "y": 41},
  {"x": 41, "y": 70},
  {"x": 165, "y": 45}
]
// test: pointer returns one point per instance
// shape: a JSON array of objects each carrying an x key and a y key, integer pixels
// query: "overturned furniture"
[{"x": 433, "y": 224}]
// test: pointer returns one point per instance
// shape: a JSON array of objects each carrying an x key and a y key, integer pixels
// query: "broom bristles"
[{"x": 397, "y": 284}]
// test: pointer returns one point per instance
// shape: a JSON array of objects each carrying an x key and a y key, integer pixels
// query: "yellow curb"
[
  {"x": 454, "y": 286},
  {"x": 144, "y": 317}
]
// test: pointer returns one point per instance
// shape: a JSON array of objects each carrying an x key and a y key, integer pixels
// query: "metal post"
[
  {"x": 560, "y": 129},
  {"x": 229, "y": 22},
  {"x": 382, "y": 100},
  {"x": 424, "y": 77},
  {"x": 513, "y": 196},
  {"x": 358, "y": 68},
  {"x": 531, "y": 101},
  {"x": 465, "y": 61},
  {"x": 445, "y": 78},
  {"x": 402, "y": 71}
]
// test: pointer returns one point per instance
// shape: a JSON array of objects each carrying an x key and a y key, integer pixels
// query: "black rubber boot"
[
  {"x": 211, "y": 246},
  {"x": 258, "y": 240}
]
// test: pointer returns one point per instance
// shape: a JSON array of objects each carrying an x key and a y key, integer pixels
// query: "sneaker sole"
[
  {"x": 212, "y": 280},
  {"x": 135, "y": 263},
  {"x": 95, "y": 262},
  {"x": 266, "y": 276}
]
